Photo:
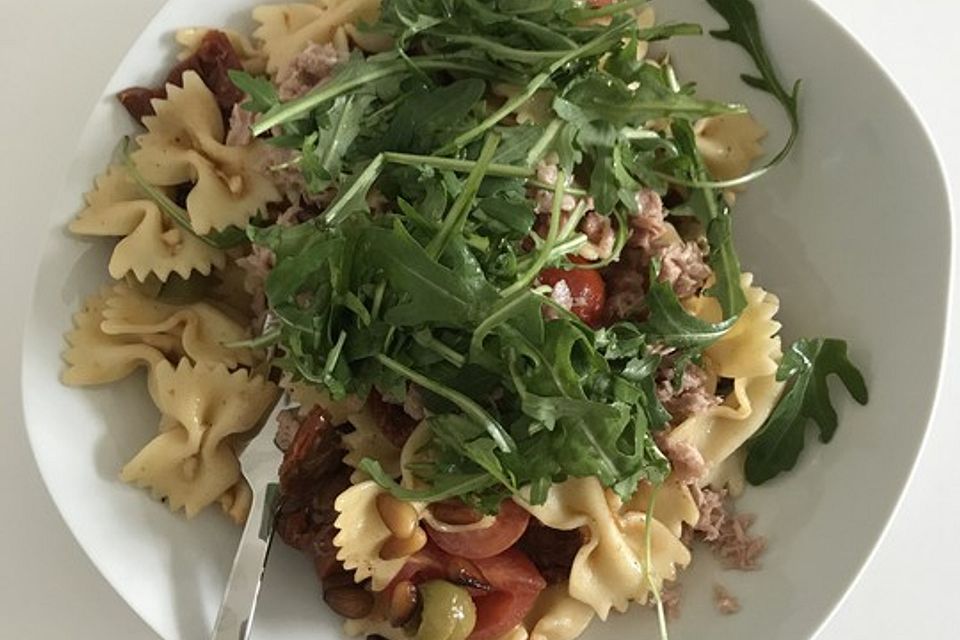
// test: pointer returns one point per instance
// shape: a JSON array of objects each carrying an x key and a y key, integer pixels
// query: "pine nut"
[
  {"x": 400, "y": 517},
  {"x": 403, "y": 603},
  {"x": 350, "y": 602},
  {"x": 395, "y": 548}
]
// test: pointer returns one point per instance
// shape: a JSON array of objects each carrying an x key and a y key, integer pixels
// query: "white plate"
[{"x": 853, "y": 233}]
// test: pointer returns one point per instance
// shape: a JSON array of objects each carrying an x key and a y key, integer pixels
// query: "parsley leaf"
[{"x": 807, "y": 364}]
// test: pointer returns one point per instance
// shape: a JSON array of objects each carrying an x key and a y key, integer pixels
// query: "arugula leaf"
[
  {"x": 443, "y": 487},
  {"x": 601, "y": 97},
  {"x": 426, "y": 115},
  {"x": 806, "y": 365},
  {"x": 743, "y": 29},
  {"x": 669, "y": 323},
  {"x": 262, "y": 92},
  {"x": 431, "y": 293},
  {"x": 723, "y": 260},
  {"x": 324, "y": 151},
  {"x": 714, "y": 215}
]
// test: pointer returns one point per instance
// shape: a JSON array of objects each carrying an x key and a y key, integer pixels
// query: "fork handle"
[{"x": 235, "y": 620}]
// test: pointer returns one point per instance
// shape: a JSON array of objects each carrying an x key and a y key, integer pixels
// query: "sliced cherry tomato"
[
  {"x": 509, "y": 525},
  {"x": 515, "y": 584},
  {"x": 587, "y": 291},
  {"x": 512, "y": 584}
]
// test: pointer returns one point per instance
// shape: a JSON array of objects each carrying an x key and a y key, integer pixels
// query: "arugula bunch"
[{"x": 435, "y": 285}]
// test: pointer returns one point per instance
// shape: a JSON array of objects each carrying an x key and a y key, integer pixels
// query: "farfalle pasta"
[
  {"x": 204, "y": 332},
  {"x": 151, "y": 244},
  {"x": 184, "y": 144},
  {"x": 748, "y": 354},
  {"x": 362, "y": 534},
  {"x": 287, "y": 29},
  {"x": 192, "y": 463},
  {"x": 487, "y": 250},
  {"x": 368, "y": 441},
  {"x": 609, "y": 571},
  {"x": 729, "y": 144},
  {"x": 96, "y": 357}
]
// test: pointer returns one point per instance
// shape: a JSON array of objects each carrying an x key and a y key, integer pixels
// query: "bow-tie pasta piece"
[
  {"x": 184, "y": 143},
  {"x": 236, "y": 501},
  {"x": 150, "y": 243},
  {"x": 192, "y": 462},
  {"x": 749, "y": 355},
  {"x": 94, "y": 357},
  {"x": 308, "y": 396},
  {"x": 287, "y": 29},
  {"x": 367, "y": 441},
  {"x": 729, "y": 144},
  {"x": 203, "y": 330},
  {"x": 609, "y": 570},
  {"x": 674, "y": 505},
  {"x": 362, "y": 533},
  {"x": 718, "y": 432},
  {"x": 751, "y": 347},
  {"x": 556, "y": 616}
]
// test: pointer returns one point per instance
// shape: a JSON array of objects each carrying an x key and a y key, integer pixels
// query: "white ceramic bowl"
[{"x": 852, "y": 232}]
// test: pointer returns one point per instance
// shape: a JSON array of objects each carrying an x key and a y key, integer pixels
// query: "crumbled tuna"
[
  {"x": 647, "y": 224},
  {"x": 239, "y": 134},
  {"x": 713, "y": 512},
  {"x": 311, "y": 67},
  {"x": 601, "y": 237},
  {"x": 727, "y": 533},
  {"x": 724, "y": 601},
  {"x": 683, "y": 266},
  {"x": 256, "y": 268},
  {"x": 737, "y": 548},
  {"x": 671, "y": 595},
  {"x": 626, "y": 286},
  {"x": 549, "y": 173},
  {"x": 280, "y": 166},
  {"x": 686, "y": 460},
  {"x": 688, "y": 399}
]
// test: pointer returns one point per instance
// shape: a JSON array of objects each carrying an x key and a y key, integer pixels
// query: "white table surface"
[{"x": 55, "y": 57}]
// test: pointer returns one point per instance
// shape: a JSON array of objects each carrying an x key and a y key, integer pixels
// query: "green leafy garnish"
[
  {"x": 806, "y": 365},
  {"x": 263, "y": 95},
  {"x": 743, "y": 29},
  {"x": 673, "y": 325},
  {"x": 421, "y": 268}
]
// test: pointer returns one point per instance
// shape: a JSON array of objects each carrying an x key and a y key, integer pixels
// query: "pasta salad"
[{"x": 487, "y": 248}]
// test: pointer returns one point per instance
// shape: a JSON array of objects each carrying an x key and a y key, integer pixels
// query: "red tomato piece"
[
  {"x": 515, "y": 583},
  {"x": 510, "y": 524},
  {"x": 588, "y": 292}
]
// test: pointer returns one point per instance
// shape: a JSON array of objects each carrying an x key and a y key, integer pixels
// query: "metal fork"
[{"x": 260, "y": 462}]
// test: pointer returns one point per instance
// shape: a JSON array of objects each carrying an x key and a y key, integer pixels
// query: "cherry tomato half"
[
  {"x": 509, "y": 525},
  {"x": 587, "y": 291}
]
